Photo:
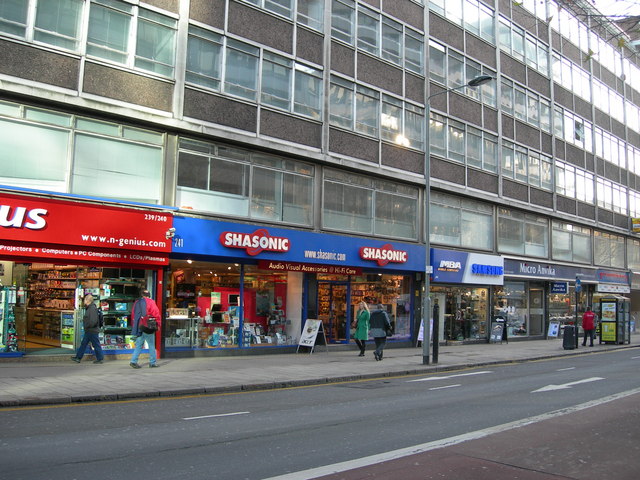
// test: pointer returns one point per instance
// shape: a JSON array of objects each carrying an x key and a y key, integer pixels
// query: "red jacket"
[{"x": 588, "y": 320}]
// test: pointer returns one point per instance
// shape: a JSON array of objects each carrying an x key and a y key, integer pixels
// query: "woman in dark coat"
[{"x": 379, "y": 323}]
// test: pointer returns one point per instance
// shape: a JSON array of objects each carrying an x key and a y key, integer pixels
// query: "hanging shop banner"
[
  {"x": 452, "y": 266},
  {"x": 59, "y": 222},
  {"x": 294, "y": 249}
]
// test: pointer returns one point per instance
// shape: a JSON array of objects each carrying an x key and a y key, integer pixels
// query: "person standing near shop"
[
  {"x": 144, "y": 307},
  {"x": 588, "y": 325},
  {"x": 362, "y": 327},
  {"x": 379, "y": 324},
  {"x": 91, "y": 324}
]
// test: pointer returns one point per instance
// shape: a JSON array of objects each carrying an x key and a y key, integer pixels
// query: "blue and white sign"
[
  {"x": 198, "y": 236},
  {"x": 451, "y": 266},
  {"x": 559, "y": 287}
]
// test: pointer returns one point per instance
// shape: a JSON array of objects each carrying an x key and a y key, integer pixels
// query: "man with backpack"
[{"x": 145, "y": 318}]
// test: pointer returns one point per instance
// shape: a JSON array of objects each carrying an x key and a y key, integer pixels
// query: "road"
[{"x": 308, "y": 432}]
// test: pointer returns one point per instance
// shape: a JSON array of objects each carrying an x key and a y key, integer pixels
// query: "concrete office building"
[{"x": 259, "y": 163}]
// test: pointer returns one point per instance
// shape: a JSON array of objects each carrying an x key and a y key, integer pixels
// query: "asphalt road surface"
[{"x": 574, "y": 417}]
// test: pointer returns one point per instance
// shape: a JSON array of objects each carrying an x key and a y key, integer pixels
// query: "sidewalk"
[{"x": 42, "y": 382}]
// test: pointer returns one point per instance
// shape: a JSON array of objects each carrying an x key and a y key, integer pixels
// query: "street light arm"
[{"x": 474, "y": 82}]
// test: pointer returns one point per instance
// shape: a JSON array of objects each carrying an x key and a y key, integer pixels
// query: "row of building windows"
[
  {"x": 377, "y": 34},
  {"x": 88, "y": 157},
  {"x": 470, "y": 224}
]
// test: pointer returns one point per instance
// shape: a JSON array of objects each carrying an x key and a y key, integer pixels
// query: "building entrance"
[{"x": 334, "y": 310}]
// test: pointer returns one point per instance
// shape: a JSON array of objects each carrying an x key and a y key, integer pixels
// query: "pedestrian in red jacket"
[{"x": 588, "y": 325}]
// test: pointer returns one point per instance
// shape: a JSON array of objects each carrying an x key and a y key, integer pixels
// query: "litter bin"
[{"x": 569, "y": 337}]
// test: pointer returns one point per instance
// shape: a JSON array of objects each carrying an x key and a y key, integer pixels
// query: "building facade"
[{"x": 277, "y": 148}]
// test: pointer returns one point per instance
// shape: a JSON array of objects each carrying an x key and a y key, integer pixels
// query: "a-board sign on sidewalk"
[
  {"x": 496, "y": 332},
  {"x": 312, "y": 335},
  {"x": 554, "y": 328}
]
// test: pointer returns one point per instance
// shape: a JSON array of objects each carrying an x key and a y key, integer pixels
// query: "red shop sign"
[
  {"x": 44, "y": 221},
  {"x": 87, "y": 255}
]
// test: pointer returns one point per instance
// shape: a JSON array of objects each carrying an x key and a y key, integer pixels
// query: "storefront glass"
[
  {"x": 463, "y": 312},
  {"x": 510, "y": 304},
  {"x": 227, "y": 305},
  {"x": 46, "y": 309},
  {"x": 339, "y": 295}
]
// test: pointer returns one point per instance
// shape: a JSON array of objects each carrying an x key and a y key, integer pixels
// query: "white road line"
[
  {"x": 218, "y": 415},
  {"x": 634, "y": 358},
  {"x": 446, "y": 386},
  {"x": 565, "y": 369},
  {"x": 445, "y": 442},
  {"x": 564, "y": 386},
  {"x": 431, "y": 379}
]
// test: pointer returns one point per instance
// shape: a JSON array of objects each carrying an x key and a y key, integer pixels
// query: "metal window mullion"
[{"x": 132, "y": 40}]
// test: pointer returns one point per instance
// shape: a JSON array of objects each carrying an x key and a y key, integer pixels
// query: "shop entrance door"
[
  {"x": 334, "y": 310},
  {"x": 536, "y": 309}
]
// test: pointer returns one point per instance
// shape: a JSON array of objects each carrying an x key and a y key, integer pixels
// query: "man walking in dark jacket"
[
  {"x": 379, "y": 323},
  {"x": 91, "y": 325}
]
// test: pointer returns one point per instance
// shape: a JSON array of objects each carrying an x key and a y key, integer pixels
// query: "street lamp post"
[{"x": 426, "y": 324}]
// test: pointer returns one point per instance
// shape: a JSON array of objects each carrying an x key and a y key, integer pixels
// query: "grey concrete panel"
[
  {"x": 481, "y": 180},
  {"x": 546, "y": 143},
  {"x": 524, "y": 19},
  {"x": 602, "y": 120},
  {"x": 490, "y": 118},
  {"x": 172, "y": 6},
  {"x": 604, "y": 216},
  {"x": 566, "y": 205},
  {"x": 448, "y": 171},
  {"x": 515, "y": 190},
  {"x": 508, "y": 128},
  {"x": 560, "y": 149},
  {"x": 343, "y": 59},
  {"x": 633, "y": 138},
  {"x": 513, "y": 68},
  {"x": 620, "y": 221},
  {"x": 563, "y": 96},
  {"x": 347, "y": 143},
  {"x": 542, "y": 198},
  {"x": 504, "y": 7},
  {"x": 572, "y": 52},
  {"x": 589, "y": 161},
  {"x": 582, "y": 107},
  {"x": 38, "y": 65},
  {"x": 528, "y": 135},
  {"x": 445, "y": 31},
  {"x": 127, "y": 87},
  {"x": 481, "y": 50},
  {"x": 414, "y": 87},
  {"x": 600, "y": 166},
  {"x": 575, "y": 155},
  {"x": 373, "y": 3},
  {"x": 273, "y": 32},
  {"x": 618, "y": 128},
  {"x": 310, "y": 46},
  {"x": 405, "y": 10},
  {"x": 465, "y": 108},
  {"x": 538, "y": 82},
  {"x": 401, "y": 158},
  {"x": 612, "y": 172},
  {"x": 220, "y": 110},
  {"x": 586, "y": 211},
  {"x": 379, "y": 73},
  {"x": 293, "y": 129},
  {"x": 209, "y": 12}
]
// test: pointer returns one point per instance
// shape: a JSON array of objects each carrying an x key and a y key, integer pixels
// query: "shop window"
[
  {"x": 464, "y": 312},
  {"x": 222, "y": 305},
  {"x": 511, "y": 304}
]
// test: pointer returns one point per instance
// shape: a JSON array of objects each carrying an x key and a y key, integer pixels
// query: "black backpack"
[{"x": 100, "y": 318}]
